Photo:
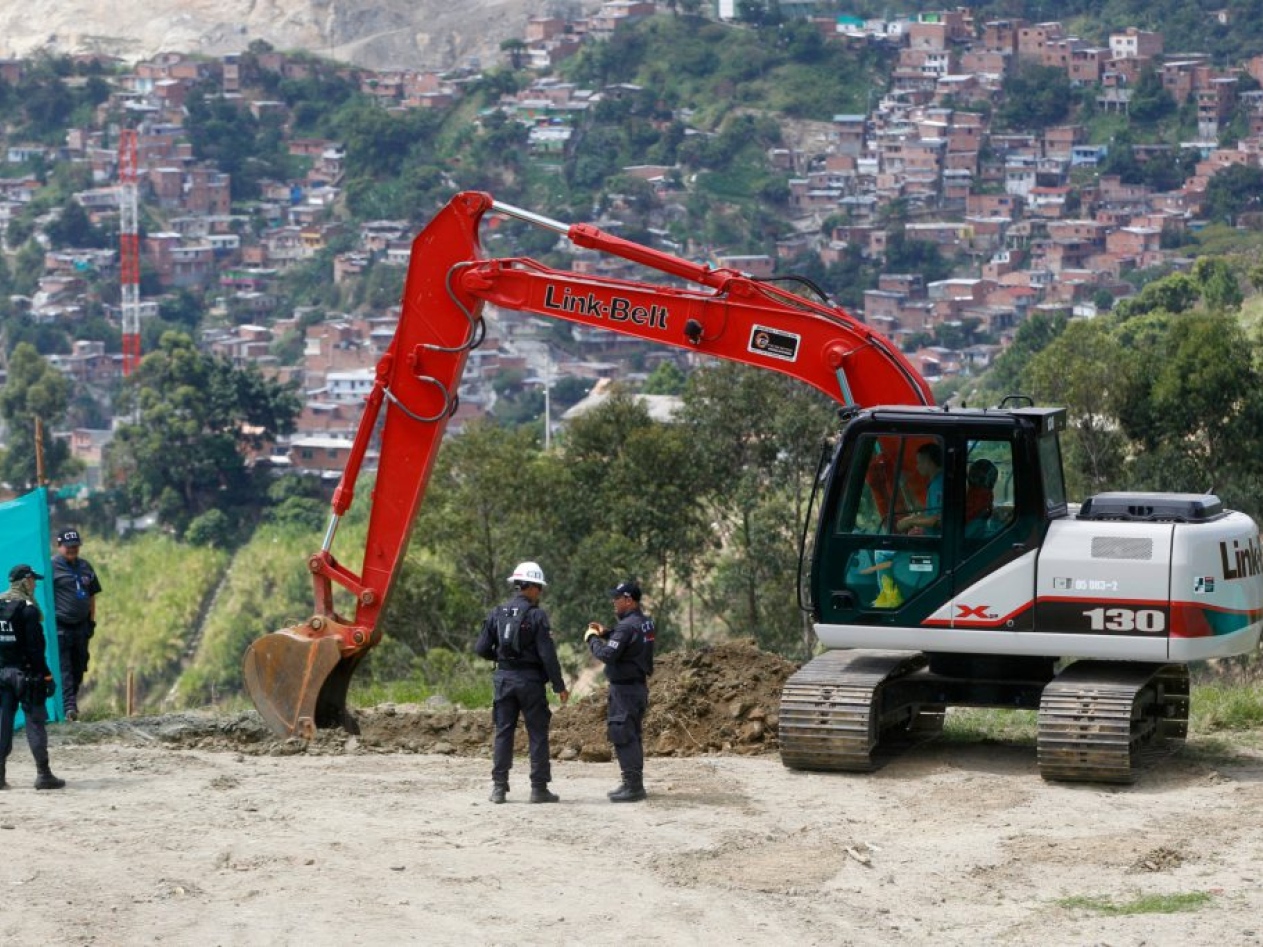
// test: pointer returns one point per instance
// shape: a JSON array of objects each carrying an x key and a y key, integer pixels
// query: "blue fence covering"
[{"x": 25, "y": 537}]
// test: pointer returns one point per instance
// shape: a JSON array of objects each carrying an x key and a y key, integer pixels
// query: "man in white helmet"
[{"x": 517, "y": 636}]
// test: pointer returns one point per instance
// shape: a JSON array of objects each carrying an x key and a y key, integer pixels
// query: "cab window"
[{"x": 989, "y": 488}]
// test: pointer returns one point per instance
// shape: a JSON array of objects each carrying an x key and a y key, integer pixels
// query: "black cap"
[
  {"x": 69, "y": 537},
  {"x": 626, "y": 588},
  {"x": 23, "y": 571}
]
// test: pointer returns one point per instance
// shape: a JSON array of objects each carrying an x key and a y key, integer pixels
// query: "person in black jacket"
[
  {"x": 517, "y": 636},
  {"x": 627, "y": 652},
  {"x": 24, "y": 674},
  {"x": 75, "y": 588}
]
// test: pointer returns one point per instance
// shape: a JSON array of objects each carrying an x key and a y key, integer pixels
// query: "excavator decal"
[
  {"x": 765, "y": 341},
  {"x": 1241, "y": 563},
  {"x": 616, "y": 309}
]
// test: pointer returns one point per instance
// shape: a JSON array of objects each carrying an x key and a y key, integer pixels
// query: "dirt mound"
[
  {"x": 720, "y": 699},
  {"x": 717, "y": 699}
]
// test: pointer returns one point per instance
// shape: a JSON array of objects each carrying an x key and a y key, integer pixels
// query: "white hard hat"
[{"x": 528, "y": 572}]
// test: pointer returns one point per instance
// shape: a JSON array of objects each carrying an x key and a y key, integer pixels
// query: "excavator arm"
[{"x": 298, "y": 677}]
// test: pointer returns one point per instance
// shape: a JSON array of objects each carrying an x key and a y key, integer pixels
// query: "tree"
[
  {"x": 181, "y": 308},
  {"x": 756, "y": 438},
  {"x": 198, "y": 417},
  {"x": 1171, "y": 294},
  {"x": 1191, "y": 400},
  {"x": 915, "y": 256},
  {"x": 1218, "y": 284},
  {"x": 482, "y": 509},
  {"x": 1082, "y": 369},
  {"x": 1007, "y": 375},
  {"x": 1150, "y": 101},
  {"x": 34, "y": 390},
  {"x": 73, "y": 228},
  {"x": 1036, "y": 97},
  {"x": 635, "y": 510},
  {"x": 517, "y": 51},
  {"x": 212, "y": 528},
  {"x": 666, "y": 379},
  {"x": 1233, "y": 191}
]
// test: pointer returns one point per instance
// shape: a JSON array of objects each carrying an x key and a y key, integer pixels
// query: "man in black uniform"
[
  {"x": 517, "y": 636},
  {"x": 75, "y": 588},
  {"x": 627, "y": 652},
  {"x": 24, "y": 674}
]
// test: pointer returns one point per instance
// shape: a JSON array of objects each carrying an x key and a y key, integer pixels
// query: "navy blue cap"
[
  {"x": 23, "y": 571},
  {"x": 69, "y": 537},
  {"x": 626, "y": 588}
]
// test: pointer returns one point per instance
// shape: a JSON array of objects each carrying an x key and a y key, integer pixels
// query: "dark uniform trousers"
[
  {"x": 72, "y": 646},
  {"x": 11, "y": 685},
  {"x": 520, "y": 692},
  {"x": 627, "y": 706}
]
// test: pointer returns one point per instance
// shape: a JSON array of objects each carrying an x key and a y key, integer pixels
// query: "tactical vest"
[
  {"x": 509, "y": 620},
  {"x": 10, "y": 648}
]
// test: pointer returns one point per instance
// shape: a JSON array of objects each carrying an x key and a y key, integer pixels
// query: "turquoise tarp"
[{"x": 25, "y": 537}]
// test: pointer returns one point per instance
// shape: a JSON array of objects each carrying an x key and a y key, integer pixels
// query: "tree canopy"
[
  {"x": 197, "y": 417},
  {"x": 34, "y": 390}
]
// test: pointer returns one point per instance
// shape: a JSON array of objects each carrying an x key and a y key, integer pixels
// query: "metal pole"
[
  {"x": 548, "y": 411},
  {"x": 39, "y": 453}
]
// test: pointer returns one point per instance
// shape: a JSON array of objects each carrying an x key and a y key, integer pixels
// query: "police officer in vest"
[
  {"x": 517, "y": 636},
  {"x": 24, "y": 674},
  {"x": 627, "y": 652}
]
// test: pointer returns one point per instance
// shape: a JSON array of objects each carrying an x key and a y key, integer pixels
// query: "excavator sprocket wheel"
[{"x": 829, "y": 713}]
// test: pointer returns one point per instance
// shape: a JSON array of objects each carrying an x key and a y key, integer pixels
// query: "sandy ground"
[{"x": 157, "y": 842}]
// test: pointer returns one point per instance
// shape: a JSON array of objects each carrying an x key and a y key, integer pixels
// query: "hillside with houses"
[{"x": 1065, "y": 216}]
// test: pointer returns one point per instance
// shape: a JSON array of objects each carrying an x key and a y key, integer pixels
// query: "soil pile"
[{"x": 720, "y": 699}]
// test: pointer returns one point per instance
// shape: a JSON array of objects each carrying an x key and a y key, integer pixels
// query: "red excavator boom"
[{"x": 298, "y": 677}]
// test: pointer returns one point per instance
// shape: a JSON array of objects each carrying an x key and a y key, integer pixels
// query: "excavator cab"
[{"x": 921, "y": 502}]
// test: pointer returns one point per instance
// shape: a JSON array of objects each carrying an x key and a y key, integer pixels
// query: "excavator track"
[
  {"x": 832, "y": 715},
  {"x": 1105, "y": 722}
]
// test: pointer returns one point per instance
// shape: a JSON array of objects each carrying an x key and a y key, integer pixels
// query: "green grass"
[
  {"x": 154, "y": 589},
  {"x": 468, "y": 691},
  {"x": 1217, "y": 707},
  {"x": 975, "y": 724},
  {"x": 1145, "y": 904},
  {"x": 267, "y": 588}
]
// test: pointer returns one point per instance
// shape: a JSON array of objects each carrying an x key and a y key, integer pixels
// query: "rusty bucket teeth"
[{"x": 284, "y": 674}]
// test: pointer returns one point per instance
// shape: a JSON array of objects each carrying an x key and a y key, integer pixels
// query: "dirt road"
[{"x": 155, "y": 842}]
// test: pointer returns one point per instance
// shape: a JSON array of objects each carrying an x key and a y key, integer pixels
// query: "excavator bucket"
[{"x": 297, "y": 682}]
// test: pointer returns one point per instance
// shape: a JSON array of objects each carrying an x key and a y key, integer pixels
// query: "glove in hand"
[
  {"x": 595, "y": 629},
  {"x": 50, "y": 687}
]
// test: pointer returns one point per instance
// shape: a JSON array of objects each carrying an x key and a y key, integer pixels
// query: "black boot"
[
  {"x": 617, "y": 790},
  {"x": 45, "y": 778},
  {"x": 633, "y": 790},
  {"x": 541, "y": 794},
  {"x": 498, "y": 792},
  {"x": 3, "y": 784}
]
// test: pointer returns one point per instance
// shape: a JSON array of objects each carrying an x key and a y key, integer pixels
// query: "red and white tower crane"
[{"x": 129, "y": 249}]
